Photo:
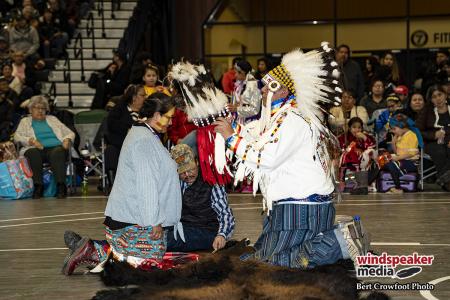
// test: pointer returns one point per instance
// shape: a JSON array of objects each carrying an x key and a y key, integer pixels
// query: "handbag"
[{"x": 15, "y": 179}]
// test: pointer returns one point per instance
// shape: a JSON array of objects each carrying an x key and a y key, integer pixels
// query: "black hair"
[
  {"x": 121, "y": 54},
  {"x": 245, "y": 66},
  {"x": 131, "y": 91},
  {"x": 156, "y": 102},
  {"x": 351, "y": 92},
  {"x": 236, "y": 60},
  {"x": 443, "y": 51},
  {"x": 344, "y": 46},
  {"x": 355, "y": 120}
]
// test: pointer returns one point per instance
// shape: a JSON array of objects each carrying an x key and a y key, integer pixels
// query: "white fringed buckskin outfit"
[{"x": 289, "y": 153}]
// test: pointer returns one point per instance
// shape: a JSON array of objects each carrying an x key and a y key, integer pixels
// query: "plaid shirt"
[{"x": 219, "y": 203}]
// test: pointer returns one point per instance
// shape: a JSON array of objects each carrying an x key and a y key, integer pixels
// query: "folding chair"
[
  {"x": 87, "y": 124},
  {"x": 425, "y": 173}
]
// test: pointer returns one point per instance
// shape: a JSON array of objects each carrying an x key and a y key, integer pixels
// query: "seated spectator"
[
  {"x": 415, "y": 106},
  {"x": 61, "y": 18},
  {"x": 375, "y": 100},
  {"x": 112, "y": 80},
  {"x": 24, "y": 38},
  {"x": 435, "y": 125},
  {"x": 44, "y": 139},
  {"x": 406, "y": 142},
  {"x": 152, "y": 84},
  {"x": 434, "y": 71},
  {"x": 208, "y": 221},
  {"x": 31, "y": 15},
  {"x": 9, "y": 93},
  {"x": 354, "y": 142},
  {"x": 53, "y": 40},
  {"x": 382, "y": 122},
  {"x": 18, "y": 86},
  {"x": 340, "y": 115},
  {"x": 402, "y": 92},
  {"x": 6, "y": 113},
  {"x": 138, "y": 69},
  {"x": 5, "y": 54},
  {"x": 119, "y": 121}
]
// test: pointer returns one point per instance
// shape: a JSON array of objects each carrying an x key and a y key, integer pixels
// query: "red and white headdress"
[{"x": 204, "y": 104}]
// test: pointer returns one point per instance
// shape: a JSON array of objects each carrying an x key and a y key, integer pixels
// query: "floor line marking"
[
  {"x": 49, "y": 222},
  {"x": 36, "y": 249},
  {"x": 389, "y": 203},
  {"x": 407, "y": 244},
  {"x": 52, "y": 216},
  {"x": 427, "y": 294}
]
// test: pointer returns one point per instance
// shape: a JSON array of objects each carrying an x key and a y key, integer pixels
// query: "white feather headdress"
[{"x": 204, "y": 101}]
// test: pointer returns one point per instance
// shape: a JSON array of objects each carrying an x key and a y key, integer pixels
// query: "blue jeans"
[
  {"x": 400, "y": 168},
  {"x": 196, "y": 239}
]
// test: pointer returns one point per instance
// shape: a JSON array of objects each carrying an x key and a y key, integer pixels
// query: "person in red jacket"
[
  {"x": 354, "y": 142},
  {"x": 229, "y": 78}
]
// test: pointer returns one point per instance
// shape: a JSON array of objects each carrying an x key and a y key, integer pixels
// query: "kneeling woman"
[{"x": 145, "y": 197}]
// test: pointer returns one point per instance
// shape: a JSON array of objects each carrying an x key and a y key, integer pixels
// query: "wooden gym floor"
[{"x": 32, "y": 248}]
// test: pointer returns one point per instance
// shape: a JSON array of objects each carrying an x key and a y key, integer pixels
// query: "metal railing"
[
  {"x": 51, "y": 93},
  {"x": 101, "y": 14},
  {"x": 67, "y": 77},
  {"x": 90, "y": 32}
]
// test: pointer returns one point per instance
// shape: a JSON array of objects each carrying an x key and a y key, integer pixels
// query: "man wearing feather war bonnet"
[
  {"x": 204, "y": 104},
  {"x": 288, "y": 154}
]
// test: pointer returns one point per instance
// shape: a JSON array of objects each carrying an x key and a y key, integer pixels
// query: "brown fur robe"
[{"x": 224, "y": 276}]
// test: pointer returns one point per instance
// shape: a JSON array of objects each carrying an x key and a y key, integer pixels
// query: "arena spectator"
[
  {"x": 5, "y": 53},
  {"x": 44, "y": 139},
  {"x": 111, "y": 81},
  {"x": 263, "y": 66},
  {"x": 61, "y": 18},
  {"x": 138, "y": 69},
  {"x": 6, "y": 113},
  {"x": 23, "y": 70},
  {"x": 246, "y": 100},
  {"x": 383, "y": 117},
  {"x": 402, "y": 92},
  {"x": 375, "y": 100},
  {"x": 9, "y": 93},
  {"x": 371, "y": 68},
  {"x": 24, "y": 38},
  {"x": 351, "y": 72},
  {"x": 53, "y": 39},
  {"x": 24, "y": 92},
  {"x": 415, "y": 106},
  {"x": 435, "y": 125},
  {"x": 152, "y": 83},
  {"x": 31, "y": 15},
  {"x": 405, "y": 143},
  {"x": 389, "y": 71},
  {"x": 229, "y": 78},
  {"x": 435, "y": 72},
  {"x": 119, "y": 121},
  {"x": 340, "y": 115}
]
